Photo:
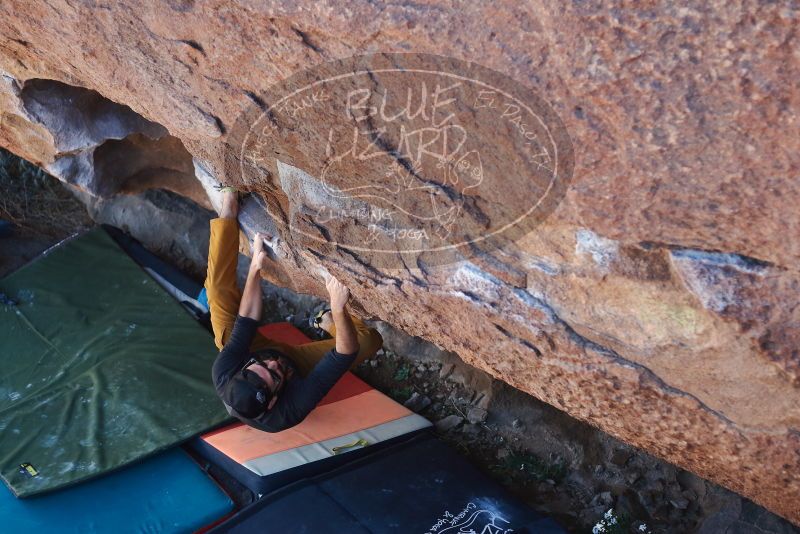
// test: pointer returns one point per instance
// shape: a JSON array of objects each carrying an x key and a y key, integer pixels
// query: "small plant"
[
  {"x": 522, "y": 468},
  {"x": 401, "y": 394},
  {"x": 613, "y": 523},
  {"x": 402, "y": 373}
]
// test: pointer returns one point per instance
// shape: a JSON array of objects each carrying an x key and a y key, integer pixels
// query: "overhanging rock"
[{"x": 657, "y": 301}]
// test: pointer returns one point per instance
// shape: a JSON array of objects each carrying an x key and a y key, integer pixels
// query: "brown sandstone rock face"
[{"x": 658, "y": 302}]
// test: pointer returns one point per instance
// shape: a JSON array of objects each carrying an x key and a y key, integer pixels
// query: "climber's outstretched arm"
[
  {"x": 251, "y": 305},
  {"x": 346, "y": 337}
]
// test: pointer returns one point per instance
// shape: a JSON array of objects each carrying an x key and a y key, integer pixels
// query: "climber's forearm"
[
  {"x": 346, "y": 337},
  {"x": 251, "y": 304}
]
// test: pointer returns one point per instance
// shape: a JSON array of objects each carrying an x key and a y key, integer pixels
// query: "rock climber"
[{"x": 266, "y": 384}]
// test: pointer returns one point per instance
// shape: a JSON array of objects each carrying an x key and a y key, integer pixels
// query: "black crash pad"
[{"x": 419, "y": 486}]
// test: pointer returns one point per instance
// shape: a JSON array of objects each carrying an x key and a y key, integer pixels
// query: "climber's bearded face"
[{"x": 274, "y": 372}]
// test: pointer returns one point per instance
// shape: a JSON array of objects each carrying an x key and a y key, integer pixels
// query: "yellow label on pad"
[{"x": 28, "y": 468}]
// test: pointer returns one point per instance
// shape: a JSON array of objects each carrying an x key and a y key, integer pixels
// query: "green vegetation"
[
  {"x": 401, "y": 394},
  {"x": 521, "y": 468},
  {"x": 618, "y": 523},
  {"x": 402, "y": 373}
]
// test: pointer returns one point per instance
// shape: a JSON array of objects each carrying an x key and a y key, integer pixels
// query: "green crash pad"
[{"x": 99, "y": 367}]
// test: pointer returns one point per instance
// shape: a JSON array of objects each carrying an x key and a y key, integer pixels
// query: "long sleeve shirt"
[{"x": 298, "y": 397}]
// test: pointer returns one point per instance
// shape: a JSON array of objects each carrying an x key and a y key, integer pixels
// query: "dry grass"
[{"x": 35, "y": 201}]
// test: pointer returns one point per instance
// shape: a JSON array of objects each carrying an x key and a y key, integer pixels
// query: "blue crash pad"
[{"x": 164, "y": 494}]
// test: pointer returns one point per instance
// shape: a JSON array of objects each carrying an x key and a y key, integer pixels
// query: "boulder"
[{"x": 654, "y": 293}]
